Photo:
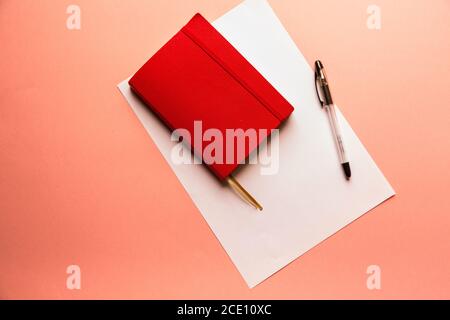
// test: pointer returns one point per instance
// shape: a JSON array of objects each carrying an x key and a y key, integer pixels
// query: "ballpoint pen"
[
  {"x": 236, "y": 186},
  {"x": 324, "y": 94}
]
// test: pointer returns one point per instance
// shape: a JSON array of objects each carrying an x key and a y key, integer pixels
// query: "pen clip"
[{"x": 318, "y": 84}]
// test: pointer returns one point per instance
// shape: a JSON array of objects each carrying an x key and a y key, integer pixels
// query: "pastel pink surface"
[{"x": 82, "y": 183}]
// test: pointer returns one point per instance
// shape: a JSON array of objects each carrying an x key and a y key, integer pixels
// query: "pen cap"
[
  {"x": 322, "y": 87},
  {"x": 319, "y": 65}
]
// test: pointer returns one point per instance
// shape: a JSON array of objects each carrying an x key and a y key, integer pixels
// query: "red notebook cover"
[{"x": 199, "y": 76}]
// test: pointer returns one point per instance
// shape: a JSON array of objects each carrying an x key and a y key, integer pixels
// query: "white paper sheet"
[{"x": 309, "y": 199}]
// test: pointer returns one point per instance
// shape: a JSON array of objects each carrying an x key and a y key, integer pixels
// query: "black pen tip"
[{"x": 348, "y": 172}]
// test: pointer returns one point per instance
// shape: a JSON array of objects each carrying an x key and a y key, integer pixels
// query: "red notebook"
[{"x": 199, "y": 76}]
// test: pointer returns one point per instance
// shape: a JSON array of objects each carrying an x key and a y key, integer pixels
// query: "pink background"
[{"x": 82, "y": 183}]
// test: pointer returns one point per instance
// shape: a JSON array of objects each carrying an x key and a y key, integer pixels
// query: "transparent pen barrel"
[{"x": 331, "y": 112}]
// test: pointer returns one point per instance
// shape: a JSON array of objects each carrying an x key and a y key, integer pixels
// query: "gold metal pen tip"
[
  {"x": 236, "y": 186},
  {"x": 258, "y": 206}
]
